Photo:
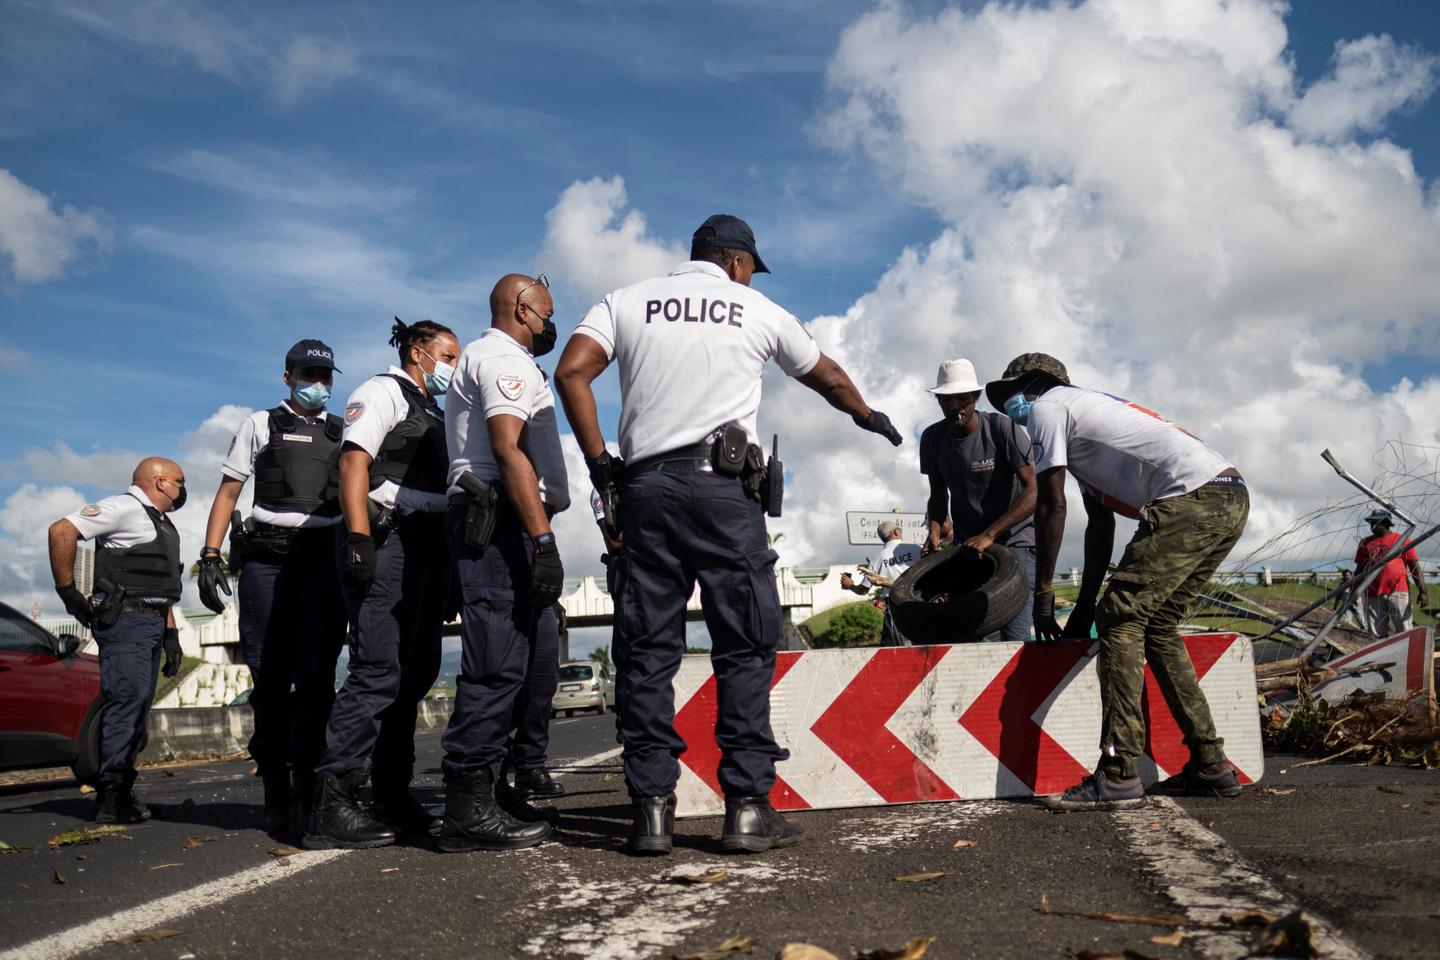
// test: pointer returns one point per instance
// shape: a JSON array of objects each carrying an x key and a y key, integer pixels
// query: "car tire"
[
  {"x": 981, "y": 594},
  {"x": 600, "y": 710},
  {"x": 86, "y": 765}
]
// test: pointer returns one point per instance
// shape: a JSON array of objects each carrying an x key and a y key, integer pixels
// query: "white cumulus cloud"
[
  {"x": 598, "y": 246},
  {"x": 1370, "y": 78},
  {"x": 39, "y": 240}
]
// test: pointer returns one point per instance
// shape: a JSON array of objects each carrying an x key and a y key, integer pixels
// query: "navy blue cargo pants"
[
  {"x": 683, "y": 524},
  {"x": 129, "y": 664},
  {"x": 501, "y": 636},
  {"x": 530, "y": 742},
  {"x": 292, "y": 625},
  {"x": 394, "y": 655}
]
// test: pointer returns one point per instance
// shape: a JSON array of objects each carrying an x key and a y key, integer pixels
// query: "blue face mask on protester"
[
  {"x": 311, "y": 396},
  {"x": 1017, "y": 408}
]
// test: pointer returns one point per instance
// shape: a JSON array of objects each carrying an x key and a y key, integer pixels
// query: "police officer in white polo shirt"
[
  {"x": 292, "y": 618},
  {"x": 137, "y": 582},
  {"x": 691, "y": 348},
  {"x": 395, "y": 577},
  {"x": 507, "y": 479}
]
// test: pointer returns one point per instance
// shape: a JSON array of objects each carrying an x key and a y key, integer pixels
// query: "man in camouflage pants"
[{"x": 1192, "y": 506}]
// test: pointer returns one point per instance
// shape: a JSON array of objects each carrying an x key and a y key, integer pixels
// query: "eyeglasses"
[{"x": 539, "y": 281}]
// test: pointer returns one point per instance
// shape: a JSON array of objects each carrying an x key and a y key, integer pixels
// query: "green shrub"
[{"x": 853, "y": 625}]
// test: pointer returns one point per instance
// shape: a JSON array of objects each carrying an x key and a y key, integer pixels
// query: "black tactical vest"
[
  {"x": 299, "y": 469},
  {"x": 147, "y": 570},
  {"x": 413, "y": 453}
]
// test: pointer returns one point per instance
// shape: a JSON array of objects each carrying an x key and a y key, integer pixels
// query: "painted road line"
[
  {"x": 1206, "y": 878},
  {"x": 171, "y": 907}
]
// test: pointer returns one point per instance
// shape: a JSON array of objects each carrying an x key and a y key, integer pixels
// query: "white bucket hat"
[{"x": 955, "y": 376}]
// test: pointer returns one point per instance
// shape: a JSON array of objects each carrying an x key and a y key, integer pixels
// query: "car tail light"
[{"x": 595, "y": 685}]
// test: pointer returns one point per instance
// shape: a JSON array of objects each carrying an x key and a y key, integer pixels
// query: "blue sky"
[{"x": 243, "y": 176}]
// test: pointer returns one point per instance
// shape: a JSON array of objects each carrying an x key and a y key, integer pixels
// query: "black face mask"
[
  {"x": 179, "y": 500},
  {"x": 543, "y": 342}
]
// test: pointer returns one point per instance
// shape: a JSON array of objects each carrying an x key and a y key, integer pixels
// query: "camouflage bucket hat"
[{"x": 1024, "y": 367}]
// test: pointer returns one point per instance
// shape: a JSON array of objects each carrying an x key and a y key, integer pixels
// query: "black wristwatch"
[{"x": 544, "y": 541}]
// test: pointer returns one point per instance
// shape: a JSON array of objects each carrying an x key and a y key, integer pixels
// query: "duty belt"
[
  {"x": 698, "y": 457},
  {"x": 157, "y": 606}
]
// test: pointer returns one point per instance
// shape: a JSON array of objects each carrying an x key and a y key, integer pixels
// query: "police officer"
[
  {"x": 691, "y": 349},
  {"x": 292, "y": 619},
  {"x": 137, "y": 580},
  {"x": 500, "y": 421},
  {"x": 395, "y": 574}
]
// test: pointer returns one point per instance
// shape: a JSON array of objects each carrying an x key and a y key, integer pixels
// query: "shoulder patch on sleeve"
[
  {"x": 510, "y": 385},
  {"x": 353, "y": 411},
  {"x": 90, "y": 510}
]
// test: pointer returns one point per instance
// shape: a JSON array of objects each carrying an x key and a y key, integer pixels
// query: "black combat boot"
[
  {"x": 537, "y": 782},
  {"x": 650, "y": 833},
  {"x": 400, "y": 810},
  {"x": 474, "y": 821},
  {"x": 753, "y": 826},
  {"x": 513, "y": 802},
  {"x": 339, "y": 820},
  {"x": 112, "y": 804},
  {"x": 277, "y": 799},
  {"x": 131, "y": 800}
]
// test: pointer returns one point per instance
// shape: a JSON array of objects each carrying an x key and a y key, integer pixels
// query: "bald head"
[
  {"x": 505, "y": 293},
  {"x": 520, "y": 306},
  {"x": 162, "y": 480}
]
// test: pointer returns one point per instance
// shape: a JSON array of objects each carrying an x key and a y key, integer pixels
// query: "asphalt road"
[{"x": 1357, "y": 847}]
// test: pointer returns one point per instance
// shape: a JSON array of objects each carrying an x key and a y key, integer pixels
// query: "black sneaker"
[
  {"x": 1099, "y": 791},
  {"x": 1215, "y": 780}
]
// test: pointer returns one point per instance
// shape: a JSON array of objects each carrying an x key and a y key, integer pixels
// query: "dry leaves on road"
[
  {"x": 284, "y": 851},
  {"x": 962, "y": 844},
  {"x": 1279, "y": 791},
  {"x": 722, "y": 952},
  {"x": 389, "y": 869},
  {"x": 166, "y": 866},
  {"x": 912, "y": 949},
  {"x": 1287, "y": 936},
  {"x": 1089, "y": 953},
  {"x": 144, "y": 936},
  {"x": 1172, "y": 939},
  {"x": 60, "y": 878},
  {"x": 712, "y": 876},
  {"x": 12, "y": 848},
  {"x": 922, "y": 877},
  {"x": 71, "y": 838},
  {"x": 192, "y": 842},
  {"x": 1155, "y": 920},
  {"x": 1390, "y": 788},
  {"x": 804, "y": 951}
]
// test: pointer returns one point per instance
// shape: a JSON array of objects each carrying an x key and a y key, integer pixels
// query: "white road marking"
[
  {"x": 889, "y": 826},
  {"x": 171, "y": 907},
  {"x": 1205, "y": 877}
]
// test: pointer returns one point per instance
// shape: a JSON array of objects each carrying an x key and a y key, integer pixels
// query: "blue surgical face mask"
[
  {"x": 311, "y": 396},
  {"x": 437, "y": 381},
  {"x": 1017, "y": 408}
]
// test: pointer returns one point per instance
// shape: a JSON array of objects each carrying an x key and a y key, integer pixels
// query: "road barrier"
[{"x": 868, "y": 727}]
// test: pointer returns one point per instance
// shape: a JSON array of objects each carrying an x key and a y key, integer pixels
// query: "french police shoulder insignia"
[
  {"x": 90, "y": 510},
  {"x": 511, "y": 385},
  {"x": 353, "y": 411}
]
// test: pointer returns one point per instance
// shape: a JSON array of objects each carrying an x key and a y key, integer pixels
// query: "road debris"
[
  {"x": 912, "y": 949},
  {"x": 192, "y": 842},
  {"x": 283, "y": 851},
  {"x": 712, "y": 876},
  {"x": 1172, "y": 939},
  {"x": 145, "y": 936},
  {"x": 1157, "y": 920},
  {"x": 59, "y": 877},
  {"x": 963, "y": 844},
  {"x": 1366, "y": 727},
  {"x": 71, "y": 838},
  {"x": 1279, "y": 791},
  {"x": 923, "y": 876},
  {"x": 12, "y": 848},
  {"x": 722, "y": 952},
  {"x": 1287, "y": 936},
  {"x": 166, "y": 866},
  {"x": 1389, "y": 788},
  {"x": 1089, "y": 953}
]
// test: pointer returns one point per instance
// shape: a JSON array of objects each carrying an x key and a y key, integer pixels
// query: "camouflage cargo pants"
[{"x": 1180, "y": 544}]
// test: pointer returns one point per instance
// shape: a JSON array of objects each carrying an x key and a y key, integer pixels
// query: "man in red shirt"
[{"x": 1387, "y": 599}]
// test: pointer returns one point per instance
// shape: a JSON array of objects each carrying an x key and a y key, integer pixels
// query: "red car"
[{"x": 49, "y": 699}]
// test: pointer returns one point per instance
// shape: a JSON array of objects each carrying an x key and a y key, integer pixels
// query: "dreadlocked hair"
[{"x": 404, "y": 335}]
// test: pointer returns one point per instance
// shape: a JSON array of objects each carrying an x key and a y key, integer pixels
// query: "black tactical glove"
[
  {"x": 212, "y": 576},
  {"x": 359, "y": 570},
  {"x": 607, "y": 473},
  {"x": 75, "y": 603},
  {"x": 877, "y": 422},
  {"x": 547, "y": 575},
  {"x": 1046, "y": 629},
  {"x": 171, "y": 645}
]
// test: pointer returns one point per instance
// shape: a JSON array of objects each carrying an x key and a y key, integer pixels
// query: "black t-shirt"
[{"x": 980, "y": 472}]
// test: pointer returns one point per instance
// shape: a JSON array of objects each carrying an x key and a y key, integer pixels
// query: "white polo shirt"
[
  {"x": 120, "y": 519},
  {"x": 253, "y": 436},
  {"x": 1123, "y": 453},
  {"x": 375, "y": 408},
  {"x": 895, "y": 558},
  {"x": 692, "y": 347},
  {"x": 496, "y": 376}
]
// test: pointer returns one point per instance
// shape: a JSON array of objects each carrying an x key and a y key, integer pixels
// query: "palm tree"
[{"x": 601, "y": 656}]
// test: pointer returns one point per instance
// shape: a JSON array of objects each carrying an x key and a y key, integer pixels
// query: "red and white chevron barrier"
[{"x": 911, "y": 724}]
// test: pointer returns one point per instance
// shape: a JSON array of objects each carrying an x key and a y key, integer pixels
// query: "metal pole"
[{"x": 1345, "y": 475}]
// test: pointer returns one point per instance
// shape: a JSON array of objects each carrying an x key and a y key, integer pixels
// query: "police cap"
[
  {"x": 725, "y": 232},
  {"x": 310, "y": 353}
]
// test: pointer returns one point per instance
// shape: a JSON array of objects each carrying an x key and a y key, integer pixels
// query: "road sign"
[
  {"x": 861, "y": 524},
  {"x": 1400, "y": 668},
  {"x": 867, "y": 727}
]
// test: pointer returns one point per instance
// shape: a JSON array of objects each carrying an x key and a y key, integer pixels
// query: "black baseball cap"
[
  {"x": 311, "y": 353},
  {"x": 727, "y": 232}
]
